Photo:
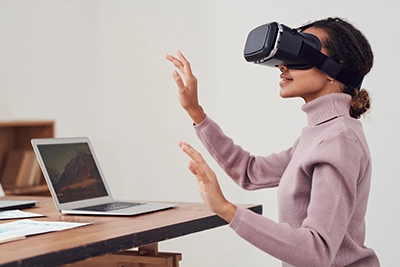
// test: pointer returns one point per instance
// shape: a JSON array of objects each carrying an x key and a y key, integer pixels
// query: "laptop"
[
  {"x": 16, "y": 204},
  {"x": 76, "y": 183}
]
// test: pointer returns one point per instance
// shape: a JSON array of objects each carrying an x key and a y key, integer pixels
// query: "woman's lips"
[{"x": 284, "y": 80}]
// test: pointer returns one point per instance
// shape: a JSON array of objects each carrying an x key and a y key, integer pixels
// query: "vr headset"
[{"x": 275, "y": 44}]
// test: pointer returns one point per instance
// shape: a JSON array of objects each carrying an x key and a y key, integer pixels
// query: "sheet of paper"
[
  {"x": 26, "y": 227},
  {"x": 17, "y": 214},
  {"x": 1, "y": 191},
  {"x": 8, "y": 238}
]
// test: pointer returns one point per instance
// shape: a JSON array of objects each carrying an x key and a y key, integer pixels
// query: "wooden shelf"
[{"x": 16, "y": 136}]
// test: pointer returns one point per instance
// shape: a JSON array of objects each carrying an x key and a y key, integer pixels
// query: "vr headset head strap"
[{"x": 330, "y": 66}]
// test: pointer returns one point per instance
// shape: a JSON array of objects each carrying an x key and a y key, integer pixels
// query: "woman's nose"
[{"x": 282, "y": 68}]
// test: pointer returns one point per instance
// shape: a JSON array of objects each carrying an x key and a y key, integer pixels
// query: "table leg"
[{"x": 145, "y": 256}]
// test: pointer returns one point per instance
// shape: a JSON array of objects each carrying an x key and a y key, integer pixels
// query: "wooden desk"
[{"x": 106, "y": 234}]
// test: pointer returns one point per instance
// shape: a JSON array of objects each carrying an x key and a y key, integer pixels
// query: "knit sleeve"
[
  {"x": 248, "y": 171},
  {"x": 331, "y": 222}
]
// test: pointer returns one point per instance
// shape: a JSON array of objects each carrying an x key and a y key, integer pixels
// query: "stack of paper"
[
  {"x": 17, "y": 214},
  {"x": 23, "y": 228}
]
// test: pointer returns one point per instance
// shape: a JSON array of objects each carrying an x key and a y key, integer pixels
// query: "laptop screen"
[{"x": 73, "y": 171}]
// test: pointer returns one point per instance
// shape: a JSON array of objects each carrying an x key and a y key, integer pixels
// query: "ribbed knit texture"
[{"x": 323, "y": 186}]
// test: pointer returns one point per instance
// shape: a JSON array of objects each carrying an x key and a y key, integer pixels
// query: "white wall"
[{"x": 98, "y": 69}]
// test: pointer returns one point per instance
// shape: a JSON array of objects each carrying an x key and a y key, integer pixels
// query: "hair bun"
[{"x": 360, "y": 103}]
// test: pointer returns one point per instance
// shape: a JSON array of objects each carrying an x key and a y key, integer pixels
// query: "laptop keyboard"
[{"x": 112, "y": 206}]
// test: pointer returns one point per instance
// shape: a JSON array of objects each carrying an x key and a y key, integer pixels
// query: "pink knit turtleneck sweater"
[{"x": 323, "y": 186}]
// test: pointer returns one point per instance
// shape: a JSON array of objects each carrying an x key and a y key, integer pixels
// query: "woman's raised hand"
[
  {"x": 187, "y": 89},
  {"x": 208, "y": 184}
]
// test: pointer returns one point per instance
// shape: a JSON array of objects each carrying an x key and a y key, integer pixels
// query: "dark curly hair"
[{"x": 348, "y": 46}]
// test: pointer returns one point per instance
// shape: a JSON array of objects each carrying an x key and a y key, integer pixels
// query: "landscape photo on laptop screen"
[{"x": 73, "y": 171}]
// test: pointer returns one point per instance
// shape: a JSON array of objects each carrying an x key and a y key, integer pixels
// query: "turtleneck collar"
[{"x": 327, "y": 107}]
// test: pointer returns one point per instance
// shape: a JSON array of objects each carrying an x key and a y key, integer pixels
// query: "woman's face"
[{"x": 308, "y": 84}]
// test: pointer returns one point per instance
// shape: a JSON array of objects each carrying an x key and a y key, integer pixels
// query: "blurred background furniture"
[{"x": 20, "y": 173}]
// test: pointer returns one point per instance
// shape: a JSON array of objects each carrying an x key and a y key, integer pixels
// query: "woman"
[{"x": 323, "y": 179}]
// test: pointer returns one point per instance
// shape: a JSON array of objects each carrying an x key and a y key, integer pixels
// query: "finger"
[
  {"x": 186, "y": 65},
  {"x": 192, "y": 153},
  {"x": 192, "y": 167},
  {"x": 178, "y": 80},
  {"x": 180, "y": 143},
  {"x": 182, "y": 57},
  {"x": 169, "y": 57},
  {"x": 184, "y": 146},
  {"x": 199, "y": 171},
  {"x": 177, "y": 63}
]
